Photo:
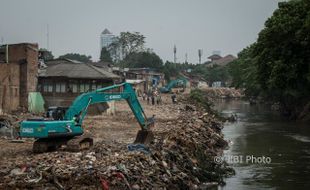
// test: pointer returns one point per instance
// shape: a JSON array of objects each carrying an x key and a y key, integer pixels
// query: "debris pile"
[
  {"x": 181, "y": 157},
  {"x": 223, "y": 92}
]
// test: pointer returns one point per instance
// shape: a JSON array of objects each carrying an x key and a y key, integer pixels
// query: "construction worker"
[{"x": 174, "y": 98}]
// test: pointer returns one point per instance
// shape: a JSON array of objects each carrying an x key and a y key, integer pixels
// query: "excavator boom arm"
[{"x": 79, "y": 107}]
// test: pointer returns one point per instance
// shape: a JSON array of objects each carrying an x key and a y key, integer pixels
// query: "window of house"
[
  {"x": 87, "y": 87},
  {"x": 50, "y": 88},
  {"x": 60, "y": 87},
  {"x": 82, "y": 88},
  {"x": 47, "y": 88},
  {"x": 99, "y": 86},
  {"x": 93, "y": 87},
  {"x": 74, "y": 88}
]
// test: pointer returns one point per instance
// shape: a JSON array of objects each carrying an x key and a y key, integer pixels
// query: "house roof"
[
  {"x": 106, "y": 31},
  {"x": 215, "y": 56},
  {"x": 74, "y": 69},
  {"x": 102, "y": 64},
  {"x": 225, "y": 60}
]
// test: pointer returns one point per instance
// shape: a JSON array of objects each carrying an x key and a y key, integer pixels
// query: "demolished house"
[
  {"x": 18, "y": 75},
  {"x": 142, "y": 79},
  {"x": 62, "y": 80}
]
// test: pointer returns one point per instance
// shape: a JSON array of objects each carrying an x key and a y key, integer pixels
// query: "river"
[{"x": 266, "y": 151}]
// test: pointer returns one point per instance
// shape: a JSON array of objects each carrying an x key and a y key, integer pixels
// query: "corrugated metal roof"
[{"x": 72, "y": 69}]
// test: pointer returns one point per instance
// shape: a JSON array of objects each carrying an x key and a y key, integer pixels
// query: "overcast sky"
[{"x": 75, "y": 25}]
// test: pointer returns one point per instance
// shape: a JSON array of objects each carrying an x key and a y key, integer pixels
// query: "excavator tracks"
[
  {"x": 73, "y": 144},
  {"x": 79, "y": 143},
  {"x": 45, "y": 145}
]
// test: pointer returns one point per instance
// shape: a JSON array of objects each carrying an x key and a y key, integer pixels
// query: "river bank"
[{"x": 187, "y": 138}]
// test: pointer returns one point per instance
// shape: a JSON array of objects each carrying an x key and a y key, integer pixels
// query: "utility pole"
[
  {"x": 47, "y": 38},
  {"x": 175, "y": 54},
  {"x": 185, "y": 57},
  {"x": 199, "y": 55}
]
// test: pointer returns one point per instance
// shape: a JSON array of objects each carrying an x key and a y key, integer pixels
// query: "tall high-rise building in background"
[{"x": 106, "y": 38}]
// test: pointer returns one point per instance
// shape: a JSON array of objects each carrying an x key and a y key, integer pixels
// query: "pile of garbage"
[
  {"x": 224, "y": 92},
  {"x": 181, "y": 157}
]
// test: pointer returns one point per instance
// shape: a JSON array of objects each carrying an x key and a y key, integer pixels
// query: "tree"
[
  {"x": 127, "y": 43},
  {"x": 131, "y": 42},
  {"x": 244, "y": 72},
  {"x": 143, "y": 59},
  {"x": 76, "y": 56},
  {"x": 45, "y": 54},
  {"x": 278, "y": 63},
  {"x": 105, "y": 55},
  {"x": 283, "y": 56}
]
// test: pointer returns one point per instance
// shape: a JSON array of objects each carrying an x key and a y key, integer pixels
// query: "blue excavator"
[
  {"x": 51, "y": 134},
  {"x": 174, "y": 83}
]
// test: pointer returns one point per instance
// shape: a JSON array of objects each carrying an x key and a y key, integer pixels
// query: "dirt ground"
[{"x": 180, "y": 157}]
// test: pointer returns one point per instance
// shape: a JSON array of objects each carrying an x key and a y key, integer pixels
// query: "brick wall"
[{"x": 18, "y": 77}]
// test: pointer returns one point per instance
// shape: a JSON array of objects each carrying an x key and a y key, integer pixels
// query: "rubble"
[
  {"x": 181, "y": 157},
  {"x": 224, "y": 92}
]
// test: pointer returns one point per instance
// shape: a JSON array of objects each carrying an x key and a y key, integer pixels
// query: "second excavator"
[{"x": 69, "y": 130}]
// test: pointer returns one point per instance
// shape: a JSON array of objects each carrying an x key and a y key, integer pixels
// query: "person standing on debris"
[
  {"x": 148, "y": 97},
  {"x": 174, "y": 98},
  {"x": 157, "y": 98},
  {"x": 153, "y": 98},
  {"x": 143, "y": 96}
]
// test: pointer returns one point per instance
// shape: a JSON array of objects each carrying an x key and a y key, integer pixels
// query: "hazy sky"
[{"x": 75, "y": 25}]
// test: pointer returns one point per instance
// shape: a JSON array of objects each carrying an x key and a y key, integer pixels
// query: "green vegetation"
[
  {"x": 142, "y": 59},
  {"x": 105, "y": 55},
  {"x": 200, "y": 98},
  {"x": 212, "y": 73},
  {"x": 128, "y": 50},
  {"x": 76, "y": 56},
  {"x": 46, "y": 55},
  {"x": 127, "y": 43},
  {"x": 276, "y": 67}
]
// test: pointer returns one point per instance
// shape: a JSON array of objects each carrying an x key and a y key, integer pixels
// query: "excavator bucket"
[{"x": 144, "y": 137}]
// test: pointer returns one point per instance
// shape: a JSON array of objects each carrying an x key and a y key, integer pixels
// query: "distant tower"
[
  {"x": 175, "y": 54},
  {"x": 47, "y": 37},
  {"x": 2, "y": 41},
  {"x": 106, "y": 38},
  {"x": 185, "y": 57},
  {"x": 199, "y": 55}
]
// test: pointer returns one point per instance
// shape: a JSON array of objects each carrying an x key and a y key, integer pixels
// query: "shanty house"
[
  {"x": 146, "y": 77},
  {"x": 62, "y": 80}
]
